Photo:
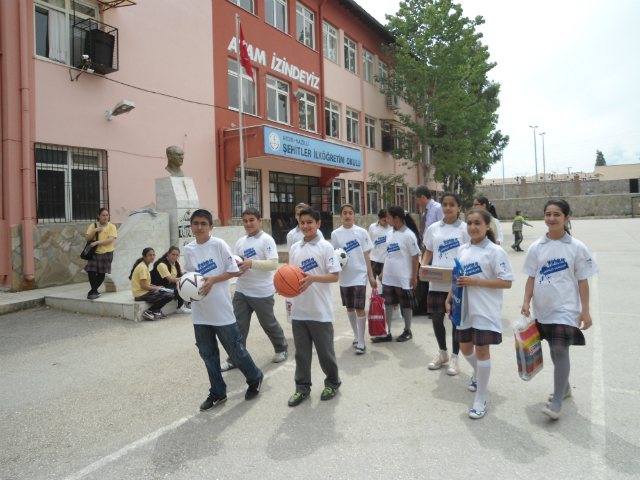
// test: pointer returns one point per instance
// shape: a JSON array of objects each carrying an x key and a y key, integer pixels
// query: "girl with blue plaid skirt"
[{"x": 101, "y": 234}]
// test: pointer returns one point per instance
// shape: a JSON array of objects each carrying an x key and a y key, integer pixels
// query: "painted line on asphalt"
[
  {"x": 598, "y": 427},
  {"x": 97, "y": 465}
]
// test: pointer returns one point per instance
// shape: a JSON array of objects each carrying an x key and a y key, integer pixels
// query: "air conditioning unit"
[{"x": 393, "y": 102}]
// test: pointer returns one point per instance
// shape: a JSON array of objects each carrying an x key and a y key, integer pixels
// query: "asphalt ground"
[{"x": 85, "y": 397}]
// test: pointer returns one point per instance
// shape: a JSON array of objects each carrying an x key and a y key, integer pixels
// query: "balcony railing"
[{"x": 99, "y": 42}]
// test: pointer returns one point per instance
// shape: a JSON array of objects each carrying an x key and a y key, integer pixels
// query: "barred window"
[
  {"x": 252, "y": 189},
  {"x": 71, "y": 183}
]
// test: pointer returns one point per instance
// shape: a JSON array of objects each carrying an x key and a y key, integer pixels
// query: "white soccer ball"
[
  {"x": 342, "y": 256},
  {"x": 189, "y": 286}
]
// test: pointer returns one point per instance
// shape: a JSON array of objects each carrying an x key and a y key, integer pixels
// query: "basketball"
[
  {"x": 238, "y": 259},
  {"x": 287, "y": 280},
  {"x": 342, "y": 257},
  {"x": 189, "y": 286}
]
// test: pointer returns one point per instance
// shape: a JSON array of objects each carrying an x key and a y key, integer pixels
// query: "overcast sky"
[{"x": 572, "y": 68}]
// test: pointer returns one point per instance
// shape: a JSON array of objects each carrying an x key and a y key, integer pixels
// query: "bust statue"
[{"x": 175, "y": 157}]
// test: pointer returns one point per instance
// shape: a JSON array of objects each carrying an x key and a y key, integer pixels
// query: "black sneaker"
[
  {"x": 388, "y": 338},
  {"x": 149, "y": 315},
  {"x": 254, "y": 389},
  {"x": 328, "y": 393},
  {"x": 212, "y": 401},
  {"x": 297, "y": 398},
  {"x": 406, "y": 335}
]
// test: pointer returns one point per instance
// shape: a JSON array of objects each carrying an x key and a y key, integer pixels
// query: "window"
[
  {"x": 332, "y": 112},
  {"x": 305, "y": 26},
  {"x": 370, "y": 132},
  {"x": 387, "y": 138},
  {"x": 383, "y": 70},
  {"x": 401, "y": 197},
  {"x": 71, "y": 183},
  {"x": 249, "y": 95},
  {"x": 337, "y": 196},
  {"x": 330, "y": 36},
  {"x": 277, "y": 100},
  {"x": 373, "y": 198},
  {"x": 275, "y": 12},
  {"x": 413, "y": 206},
  {"x": 350, "y": 55},
  {"x": 355, "y": 196},
  {"x": 367, "y": 66},
  {"x": 353, "y": 135},
  {"x": 246, "y": 4},
  {"x": 307, "y": 111},
  {"x": 252, "y": 189}
]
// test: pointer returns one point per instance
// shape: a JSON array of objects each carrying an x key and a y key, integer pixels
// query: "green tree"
[
  {"x": 387, "y": 182},
  {"x": 439, "y": 66},
  {"x": 600, "y": 161}
]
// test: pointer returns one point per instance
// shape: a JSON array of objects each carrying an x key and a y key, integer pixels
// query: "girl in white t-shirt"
[
  {"x": 400, "y": 275},
  {"x": 485, "y": 204},
  {"x": 558, "y": 266},
  {"x": 353, "y": 278},
  {"x": 442, "y": 241},
  {"x": 378, "y": 234},
  {"x": 487, "y": 272}
]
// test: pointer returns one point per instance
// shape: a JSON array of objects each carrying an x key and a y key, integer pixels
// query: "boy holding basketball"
[
  {"x": 312, "y": 310},
  {"x": 213, "y": 316},
  {"x": 254, "y": 288}
]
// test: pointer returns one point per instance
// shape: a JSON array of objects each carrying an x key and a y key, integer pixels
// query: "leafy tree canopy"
[{"x": 600, "y": 161}]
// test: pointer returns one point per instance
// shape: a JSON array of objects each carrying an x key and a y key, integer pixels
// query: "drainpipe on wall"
[
  {"x": 27, "y": 220},
  {"x": 5, "y": 251},
  {"x": 321, "y": 42}
]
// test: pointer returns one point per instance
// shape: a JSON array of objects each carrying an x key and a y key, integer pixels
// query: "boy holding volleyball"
[
  {"x": 312, "y": 310},
  {"x": 212, "y": 316}
]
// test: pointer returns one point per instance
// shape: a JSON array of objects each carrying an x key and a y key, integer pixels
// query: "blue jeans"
[{"x": 230, "y": 338}]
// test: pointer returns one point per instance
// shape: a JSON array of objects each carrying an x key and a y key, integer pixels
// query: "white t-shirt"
[
  {"x": 557, "y": 266},
  {"x": 486, "y": 261},
  {"x": 498, "y": 230},
  {"x": 315, "y": 258},
  {"x": 212, "y": 259},
  {"x": 402, "y": 246},
  {"x": 295, "y": 235},
  {"x": 256, "y": 283},
  {"x": 355, "y": 241},
  {"x": 444, "y": 240},
  {"x": 378, "y": 235}
]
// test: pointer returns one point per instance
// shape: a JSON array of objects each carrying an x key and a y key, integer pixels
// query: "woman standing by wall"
[{"x": 100, "y": 263}]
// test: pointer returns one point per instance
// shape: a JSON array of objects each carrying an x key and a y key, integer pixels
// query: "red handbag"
[{"x": 377, "y": 319}]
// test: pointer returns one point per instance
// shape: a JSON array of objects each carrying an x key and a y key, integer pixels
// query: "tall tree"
[
  {"x": 439, "y": 66},
  {"x": 600, "y": 161}
]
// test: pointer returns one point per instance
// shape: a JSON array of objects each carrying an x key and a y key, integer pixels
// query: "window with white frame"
[
  {"x": 332, "y": 119},
  {"x": 413, "y": 207},
  {"x": 353, "y": 134},
  {"x": 53, "y": 26},
  {"x": 249, "y": 93},
  {"x": 330, "y": 37},
  {"x": 246, "y": 4},
  {"x": 370, "y": 132},
  {"x": 71, "y": 183},
  {"x": 277, "y": 100},
  {"x": 373, "y": 198},
  {"x": 337, "y": 195},
  {"x": 307, "y": 111},
  {"x": 355, "y": 196},
  {"x": 367, "y": 65},
  {"x": 350, "y": 55},
  {"x": 305, "y": 26},
  {"x": 401, "y": 199},
  {"x": 383, "y": 70},
  {"x": 275, "y": 13}
]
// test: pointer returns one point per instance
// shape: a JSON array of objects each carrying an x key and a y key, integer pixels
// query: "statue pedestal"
[{"x": 178, "y": 197}]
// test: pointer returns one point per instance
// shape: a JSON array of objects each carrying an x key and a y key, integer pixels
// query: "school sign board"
[{"x": 299, "y": 147}]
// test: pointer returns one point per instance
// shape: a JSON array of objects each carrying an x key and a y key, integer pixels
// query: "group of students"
[{"x": 558, "y": 267}]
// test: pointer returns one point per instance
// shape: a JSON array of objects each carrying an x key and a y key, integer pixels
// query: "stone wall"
[
  {"x": 555, "y": 189},
  {"x": 581, "y": 206},
  {"x": 266, "y": 224},
  {"x": 16, "y": 257}
]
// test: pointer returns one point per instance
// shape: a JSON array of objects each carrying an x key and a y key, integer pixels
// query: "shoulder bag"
[{"x": 88, "y": 251}]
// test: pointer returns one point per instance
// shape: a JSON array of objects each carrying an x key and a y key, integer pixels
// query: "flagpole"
[{"x": 242, "y": 189}]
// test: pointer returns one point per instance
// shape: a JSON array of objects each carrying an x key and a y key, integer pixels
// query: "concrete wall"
[
  {"x": 552, "y": 190},
  {"x": 581, "y": 206}
]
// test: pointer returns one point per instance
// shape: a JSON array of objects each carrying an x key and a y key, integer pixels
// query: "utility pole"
[
  {"x": 544, "y": 167},
  {"x": 504, "y": 195},
  {"x": 535, "y": 148}
]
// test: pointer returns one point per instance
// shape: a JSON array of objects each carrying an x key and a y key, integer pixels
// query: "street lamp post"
[
  {"x": 504, "y": 194},
  {"x": 535, "y": 148},
  {"x": 544, "y": 167}
]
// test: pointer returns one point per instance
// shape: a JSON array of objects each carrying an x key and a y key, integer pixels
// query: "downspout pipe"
[
  {"x": 320, "y": 42},
  {"x": 28, "y": 263}
]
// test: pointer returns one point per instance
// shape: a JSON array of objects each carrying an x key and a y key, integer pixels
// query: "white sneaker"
[
  {"x": 454, "y": 368},
  {"x": 183, "y": 309},
  {"x": 280, "y": 357},
  {"x": 441, "y": 359},
  {"x": 226, "y": 366}
]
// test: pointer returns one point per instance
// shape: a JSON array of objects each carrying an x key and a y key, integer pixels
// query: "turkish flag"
[{"x": 245, "y": 59}]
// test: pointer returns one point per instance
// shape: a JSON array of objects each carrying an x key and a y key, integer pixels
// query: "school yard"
[{"x": 101, "y": 398}]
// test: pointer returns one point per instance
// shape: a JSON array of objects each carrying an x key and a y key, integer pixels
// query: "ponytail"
[
  {"x": 486, "y": 217},
  {"x": 140, "y": 260},
  {"x": 397, "y": 211},
  {"x": 488, "y": 205}
]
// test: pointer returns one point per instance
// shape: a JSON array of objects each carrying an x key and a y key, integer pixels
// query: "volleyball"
[
  {"x": 342, "y": 256},
  {"x": 287, "y": 280},
  {"x": 189, "y": 286}
]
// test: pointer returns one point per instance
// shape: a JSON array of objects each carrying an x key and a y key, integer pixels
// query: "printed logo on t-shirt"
[
  {"x": 590, "y": 263},
  {"x": 553, "y": 266},
  {"x": 393, "y": 247},
  {"x": 504, "y": 267},
  {"x": 268, "y": 249},
  {"x": 447, "y": 245},
  {"x": 472, "y": 268},
  {"x": 309, "y": 264},
  {"x": 381, "y": 240},
  {"x": 250, "y": 252},
  {"x": 351, "y": 245},
  {"x": 206, "y": 267}
]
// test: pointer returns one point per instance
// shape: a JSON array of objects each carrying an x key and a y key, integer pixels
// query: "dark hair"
[
  {"x": 563, "y": 205},
  {"x": 455, "y": 196},
  {"x": 518, "y": 212},
  {"x": 164, "y": 258},
  {"x": 382, "y": 213},
  {"x": 100, "y": 212},
  {"x": 486, "y": 216},
  {"x": 490, "y": 208},
  {"x": 201, "y": 212},
  {"x": 397, "y": 211},
  {"x": 140, "y": 260},
  {"x": 252, "y": 211},
  {"x": 347, "y": 205},
  {"x": 315, "y": 214},
  {"x": 422, "y": 190}
]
